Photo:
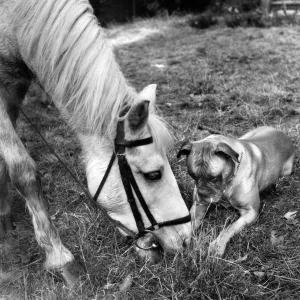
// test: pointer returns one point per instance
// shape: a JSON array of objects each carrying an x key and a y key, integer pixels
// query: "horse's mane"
[
  {"x": 71, "y": 57},
  {"x": 67, "y": 50},
  {"x": 162, "y": 137}
]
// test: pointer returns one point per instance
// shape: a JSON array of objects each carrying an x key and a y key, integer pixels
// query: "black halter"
[{"x": 129, "y": 183}]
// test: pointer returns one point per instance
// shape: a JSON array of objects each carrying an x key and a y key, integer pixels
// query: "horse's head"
[{"x": 153, "y": 175}]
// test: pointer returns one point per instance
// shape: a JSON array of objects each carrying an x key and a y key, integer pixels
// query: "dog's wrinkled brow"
[{"x": 202, "y": 155}]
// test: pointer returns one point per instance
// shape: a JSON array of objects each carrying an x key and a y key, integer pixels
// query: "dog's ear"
[
  {"x": 185, "y": 149},
  {"x": 225, "y": 149}
]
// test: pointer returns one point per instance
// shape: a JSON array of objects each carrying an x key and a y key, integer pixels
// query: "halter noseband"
[{"x": 129, "y": 183}]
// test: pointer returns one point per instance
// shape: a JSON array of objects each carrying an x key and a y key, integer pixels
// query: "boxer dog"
[{"x": 236, "y": 170}]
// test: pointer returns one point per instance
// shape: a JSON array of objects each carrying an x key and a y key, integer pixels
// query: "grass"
[{"x": 230, "y": 79}]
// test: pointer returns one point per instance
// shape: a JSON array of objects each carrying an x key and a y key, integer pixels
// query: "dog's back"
[
  {"x": 236, "y": 170},
  {"x": 275, "y": 147}
]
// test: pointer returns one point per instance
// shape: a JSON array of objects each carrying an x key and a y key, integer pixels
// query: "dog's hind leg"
[
  {"x": 288, "y": 166},
  {"x": 248, "y": 214},
  {"x": 22, "y": 172}
]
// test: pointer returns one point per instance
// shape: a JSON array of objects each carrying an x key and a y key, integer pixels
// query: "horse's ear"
[
  {"x": 138, "y": 115},
  {"x": 148, "y": 93},
  {"x": 139, "y": 112},
  {"x": 185, "y": 149},
  {"x": 227, "y": 151}
]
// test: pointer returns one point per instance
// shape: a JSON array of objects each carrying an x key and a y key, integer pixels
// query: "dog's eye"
[
  {"x": 155, "y": 175},
  {"x": 214, "y": 178}
]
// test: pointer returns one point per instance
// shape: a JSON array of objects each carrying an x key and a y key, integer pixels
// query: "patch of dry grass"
[{"x": 229, "y": 79}]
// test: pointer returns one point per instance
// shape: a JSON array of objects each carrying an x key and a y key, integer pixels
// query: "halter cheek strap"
[{"x": 119, "y": 145}]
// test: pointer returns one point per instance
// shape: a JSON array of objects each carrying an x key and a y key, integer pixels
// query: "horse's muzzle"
[{"x": 150, "y": 248}]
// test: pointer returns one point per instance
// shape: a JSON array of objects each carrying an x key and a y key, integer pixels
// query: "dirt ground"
[{"x": 231, "y": 80}]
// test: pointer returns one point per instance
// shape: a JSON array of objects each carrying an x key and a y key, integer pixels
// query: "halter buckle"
[{"x": 155, "y": 227}]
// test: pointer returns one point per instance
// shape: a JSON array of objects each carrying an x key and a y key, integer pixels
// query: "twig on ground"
[
  {"x": 211, "y": 130},
  {"x": 120, "y": 294}
]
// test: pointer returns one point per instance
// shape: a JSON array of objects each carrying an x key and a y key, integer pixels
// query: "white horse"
[{"x": 60, "y": 44}]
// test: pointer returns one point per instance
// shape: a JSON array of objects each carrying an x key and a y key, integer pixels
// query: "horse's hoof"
[{"x": 72, "y": 272}]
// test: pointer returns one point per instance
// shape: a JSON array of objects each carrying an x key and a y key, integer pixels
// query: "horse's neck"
[
  {"x": 95, "y": 146},
  {"x": 97, "y": 152},
  {"x": 67, "y": 50}
]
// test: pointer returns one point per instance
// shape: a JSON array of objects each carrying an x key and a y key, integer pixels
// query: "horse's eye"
[
  {"x": 155, "y": 175},
  {"x": 214, "y": 179}
]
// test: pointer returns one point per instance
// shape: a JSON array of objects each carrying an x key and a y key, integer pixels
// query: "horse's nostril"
[
  {"x": 149, "y": 242},
  {"x": 155, "y": 245}
]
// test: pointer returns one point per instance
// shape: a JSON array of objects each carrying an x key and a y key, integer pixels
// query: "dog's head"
[{"x": 211, "y": 164}]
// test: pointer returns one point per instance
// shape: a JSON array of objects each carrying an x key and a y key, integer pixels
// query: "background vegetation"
[
  {"x": 230, "y": 79},
  {"x": 123, "y": 10}
]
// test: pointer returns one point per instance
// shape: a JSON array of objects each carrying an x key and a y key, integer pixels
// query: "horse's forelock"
[{"x": 161, "y": 133}]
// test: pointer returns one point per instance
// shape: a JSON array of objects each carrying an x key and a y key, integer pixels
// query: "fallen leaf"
[
  {"x": 109, "y": 286},
  {"x": 120, "y": 294},
  {"x": 275, "y": 241},
  {"x": 241, "y": 259},
  {"x": 159, "y": 66},
  {"x": 9, "y": 277},
  {"x": 267, "y": 267},
  {"x": 259, "y": 274},
  {"x": 292, "y": 221},
  {"x": 25, "y": 258},
  {"x": 290, "y": 215},
  {"x": 127, "y": 282}
]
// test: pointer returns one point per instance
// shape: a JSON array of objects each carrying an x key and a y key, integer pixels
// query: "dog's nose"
[{"x": 203, "y": 194}]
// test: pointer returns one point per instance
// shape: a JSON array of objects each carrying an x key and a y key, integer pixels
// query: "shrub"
[
  {"x": 251, "y": 19},
  {"x": 249, "y": 5},
  {"x": 203, "y": 21},
  {"x": 257, "y": 19},
  {"x": 234, "y": 20}
]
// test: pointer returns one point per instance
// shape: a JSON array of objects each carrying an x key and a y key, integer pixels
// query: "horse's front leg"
[
  {"x": 5, "y": 210},
  {"x": 22, "y": 172}
]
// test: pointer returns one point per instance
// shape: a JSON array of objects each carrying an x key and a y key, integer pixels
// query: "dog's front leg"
[
  {"x": 248, "y": 215},
  {"x": 198, "y": 210}
]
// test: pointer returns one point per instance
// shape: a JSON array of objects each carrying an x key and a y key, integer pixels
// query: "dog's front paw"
[{"x": 216, "y": 249}]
